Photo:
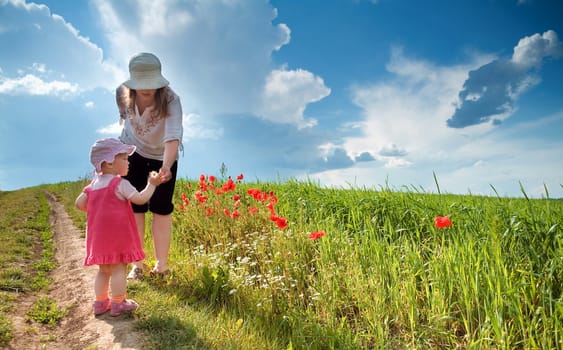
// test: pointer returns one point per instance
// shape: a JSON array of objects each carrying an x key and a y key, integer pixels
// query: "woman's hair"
[{"x": 126, "y": 101}]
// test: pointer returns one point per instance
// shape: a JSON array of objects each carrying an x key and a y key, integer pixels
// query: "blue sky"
[{"x": 347, "y": 92}]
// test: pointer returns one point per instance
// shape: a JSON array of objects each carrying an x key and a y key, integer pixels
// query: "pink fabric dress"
[{"x": 111, "y": 234}]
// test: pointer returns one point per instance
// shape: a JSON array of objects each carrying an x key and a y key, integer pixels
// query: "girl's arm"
[
  {"x": 142, "y": 197},
  {"x": 81, "y": 202}
]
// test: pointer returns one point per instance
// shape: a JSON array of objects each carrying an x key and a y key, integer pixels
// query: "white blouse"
[{"x": 149, "y": 133}]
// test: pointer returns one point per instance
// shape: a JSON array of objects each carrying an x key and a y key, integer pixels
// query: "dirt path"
[{"x": 72, "y": 288}]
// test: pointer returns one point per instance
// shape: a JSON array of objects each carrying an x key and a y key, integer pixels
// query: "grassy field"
[
  {"x": 295, "y": 266},
  {"x": 26, "y": 256}
]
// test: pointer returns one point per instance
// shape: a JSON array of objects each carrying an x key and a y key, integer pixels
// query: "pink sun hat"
[{"x": 105, "y": 150}]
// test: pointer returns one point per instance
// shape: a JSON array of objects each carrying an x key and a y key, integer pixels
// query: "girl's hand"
[{"x": 154, "y": 178}]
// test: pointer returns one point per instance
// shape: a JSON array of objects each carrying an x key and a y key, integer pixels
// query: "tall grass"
[{"x": 382, "y": 276}]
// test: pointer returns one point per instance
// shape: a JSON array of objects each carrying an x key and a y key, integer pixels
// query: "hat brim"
[
  {"x": 146, "y": 84},
  {"x": 129, "y": 149}
]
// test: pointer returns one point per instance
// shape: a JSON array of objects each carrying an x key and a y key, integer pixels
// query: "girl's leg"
[
  {"x": 119, "y": 281},
  {"x": 101, "y": 282},
  {"x": 101, "y": 286},
  {"x": 161, "y": 229},
  {"x": 119, "y": 303}
]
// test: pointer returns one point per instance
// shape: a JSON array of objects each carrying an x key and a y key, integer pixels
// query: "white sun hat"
[
  {"x": 145, "y": 73},
  {"x": 105, "y": 150}
]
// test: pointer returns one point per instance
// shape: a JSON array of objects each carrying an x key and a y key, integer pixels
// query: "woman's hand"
[{"x": 164, "y": 174}]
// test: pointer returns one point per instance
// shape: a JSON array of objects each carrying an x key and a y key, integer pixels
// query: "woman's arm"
[{"x": 170, "y": 156}]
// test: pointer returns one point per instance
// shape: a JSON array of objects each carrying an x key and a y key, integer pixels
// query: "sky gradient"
[{"x": 348, "y": 93}]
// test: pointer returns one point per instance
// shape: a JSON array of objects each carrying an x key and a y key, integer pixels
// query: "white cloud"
[
  {"x": 404, "y": 127},
  {"x": 32, "y": 85},
  {"x": 89, "y": 104},
  {"x": 159, "y": 19},
  {"x": 287, "y": 93},
  {"x": 216, "y": 55},
  {"x": 407, "y": 114},
  {"x": 112, "y": 129},
  {"x": 531, "y": 50},
  {"x": 490, "y": 93},
  {"x": 195, "y": 127},
  {"x": 58, "y": 52}
]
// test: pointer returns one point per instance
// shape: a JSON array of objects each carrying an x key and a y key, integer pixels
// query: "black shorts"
[{"x": 161, "y": 200}]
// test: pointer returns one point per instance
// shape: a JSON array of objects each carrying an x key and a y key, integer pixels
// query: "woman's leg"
[
  {"x": 140, "y": 220},
  {"x": 161, "y": 229}
]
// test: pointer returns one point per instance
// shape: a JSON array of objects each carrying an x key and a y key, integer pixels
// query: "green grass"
[
  {"x": 382, "y": 276},
  {"x": 26, "y": 251},
  {"x": 46, "y": 311}
]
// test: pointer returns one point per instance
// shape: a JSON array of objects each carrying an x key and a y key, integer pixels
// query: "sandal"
[
  {"x": 126, "y": 305},
  {"x": 101, "y": 307},
  {"x": 136, "y": 273},
  {"x": 161, "y": 275}
]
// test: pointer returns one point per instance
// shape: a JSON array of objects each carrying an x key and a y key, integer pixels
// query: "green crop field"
[{"x": 293, "y": 265}]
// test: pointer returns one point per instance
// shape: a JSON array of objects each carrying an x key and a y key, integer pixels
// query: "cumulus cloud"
[
  {"x": 392, "y": 150},
  {"x": 216, "y": 54},
  {"x": 490, "y": 92},
  {"x": 32, "y": 85},
  {"x": 62, "y": 60},
  {"x": 287, "y": 93},
  {"x": 364, "y": 157},
  {"x": 196, "y": 127},
  {"x": 403, "y": 117},
  {"x": 111, "y": 130}
]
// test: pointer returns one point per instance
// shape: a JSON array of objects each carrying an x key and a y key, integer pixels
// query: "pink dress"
[{"x": 111, "y": 234}]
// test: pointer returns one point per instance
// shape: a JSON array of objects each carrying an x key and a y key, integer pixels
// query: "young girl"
[{"x": 112, "y": 239}]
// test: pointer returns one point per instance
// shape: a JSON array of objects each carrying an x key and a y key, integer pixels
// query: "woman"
[{"x": 151, "y": 114}]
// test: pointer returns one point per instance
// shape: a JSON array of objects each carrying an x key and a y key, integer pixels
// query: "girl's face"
[{"x": 121, "y": 164}]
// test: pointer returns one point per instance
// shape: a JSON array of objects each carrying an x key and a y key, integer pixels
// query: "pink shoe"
[
  {"x": 101, "y": 307},
  {"x": 126, "y": 305}
]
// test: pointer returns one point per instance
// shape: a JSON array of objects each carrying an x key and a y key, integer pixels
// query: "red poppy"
[
  {"x": 281, "y": 222},
  {"x": 212, "y": 178},
  {"x": 185, "y": 199},
  {"x": 229, "y": 185},
  {"x": 252, "y": 210},
  {"x": 235, "y": 214},
  {"x": 270, "y": 207},
  {"x": 240, "y": 177},
  {"x": 442, "y": 221},
  {"x": 226, "y": 212},
  {"x": 201, "y": 178},
  {"x": 316, "y": 235}
]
